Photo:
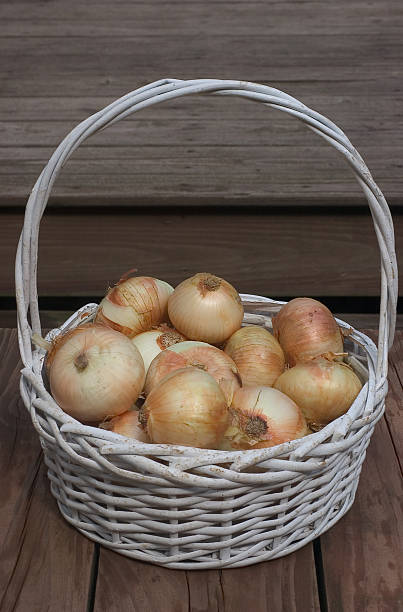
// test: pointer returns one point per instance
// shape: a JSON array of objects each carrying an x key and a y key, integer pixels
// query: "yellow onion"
[
  {"x": 199, "y": 355},
  {"x": 305, "y": 328},
  {"x": 324, "y": 389},
  {"x": 206, "y": 308},
  {"x": 94, "y": 372},
  {"x": 261, "y": 417},
  {"x": 135, "y": 305},
  {"x": 151, "y": 343},
  {"x": 257, "y": 355},
  {"x": 188, "y": 408},
  {"x": 127, "y": 424}
]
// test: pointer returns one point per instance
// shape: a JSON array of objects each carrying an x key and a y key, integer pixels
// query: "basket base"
[{"x": 242, "y": 559}]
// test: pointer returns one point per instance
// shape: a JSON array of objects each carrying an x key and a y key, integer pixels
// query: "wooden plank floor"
[{"x": 47, "y": 565}]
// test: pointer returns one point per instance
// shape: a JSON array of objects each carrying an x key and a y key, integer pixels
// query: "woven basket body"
[{"x": 185, "y": 507}]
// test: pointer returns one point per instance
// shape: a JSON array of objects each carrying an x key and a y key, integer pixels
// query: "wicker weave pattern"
[{"x": 185, "y": 507}]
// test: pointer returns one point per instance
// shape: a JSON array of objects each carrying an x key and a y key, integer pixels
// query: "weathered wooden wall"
[{"x": 293, "y": 231}]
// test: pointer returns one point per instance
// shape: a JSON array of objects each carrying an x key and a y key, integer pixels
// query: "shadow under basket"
[{"x": 190, "y": 508}]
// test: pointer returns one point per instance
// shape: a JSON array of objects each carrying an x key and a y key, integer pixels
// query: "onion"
[
  {"x": 206, "y": 307},
  {"x": 127, "y": 424},
  {"x": 199, "y": 355},
  {"x": 188, "y": 408},
  {"x": 261, "y": 417},
  {"x": 94, "y": 372},
  {"x": 257, "y": 355},
  {"x": 135, "y": 305},
  {"x": 305, "y": 328},
  {"x": 151, "y": 343},
  {"x": 323, "y": 389}
]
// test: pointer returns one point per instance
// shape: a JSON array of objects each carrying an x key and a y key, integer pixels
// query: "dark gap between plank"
[
  {"x": 93, "y": 578},
  {"x": 124, "y": 206},
  {"x": 393, "y": 442},
  {"x": 347, "y": 304},
  {"x": 320, "y": 575}
]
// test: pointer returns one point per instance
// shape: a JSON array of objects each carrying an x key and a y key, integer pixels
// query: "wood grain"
[
  {"x": 308, "y": 60},
  {"x": 361, "y": 553},
  {"x": 126, "y": 584},
  {"x": 121, "y": 18},
  {"x": 343, "y": 59},
  {"x": 274, "y": 255},
  {"x": 288, "y": 584},
  {"x": 45, "y": 564},
  {"x": 276, "y": 585},
  {"x": 341, "y": 106},
  {"x": 393, "y": 412},
  {"x": 187, "y": 173},
  {"x": 233, "y": 153}
]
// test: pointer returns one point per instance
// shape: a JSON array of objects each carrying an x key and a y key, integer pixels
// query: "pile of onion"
[{"x": 253, "y": 389}]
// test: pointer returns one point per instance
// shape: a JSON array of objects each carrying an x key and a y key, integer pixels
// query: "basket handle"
[{"x": 167, "y": 89}]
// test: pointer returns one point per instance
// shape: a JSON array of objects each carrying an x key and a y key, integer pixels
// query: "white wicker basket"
[{"x": 185, "y": 507}]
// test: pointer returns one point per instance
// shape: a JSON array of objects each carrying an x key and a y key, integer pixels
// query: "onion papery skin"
[
  {"x": 257, "y": 354},
  {"x": 306, "y": 328},
  {"x": 261, "y": 417},
  {"x": 206, "y": 308},
  {"x": 323, "y": 389},
  {"x": 152, "y": 343},
  {"x": 94, "y": 372},
  {"x": 187, "y": 408},
  {"x": 197, "y": 355},
  {"x": 135, "y": 305},
  {"x": 127, "y": 424}
]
